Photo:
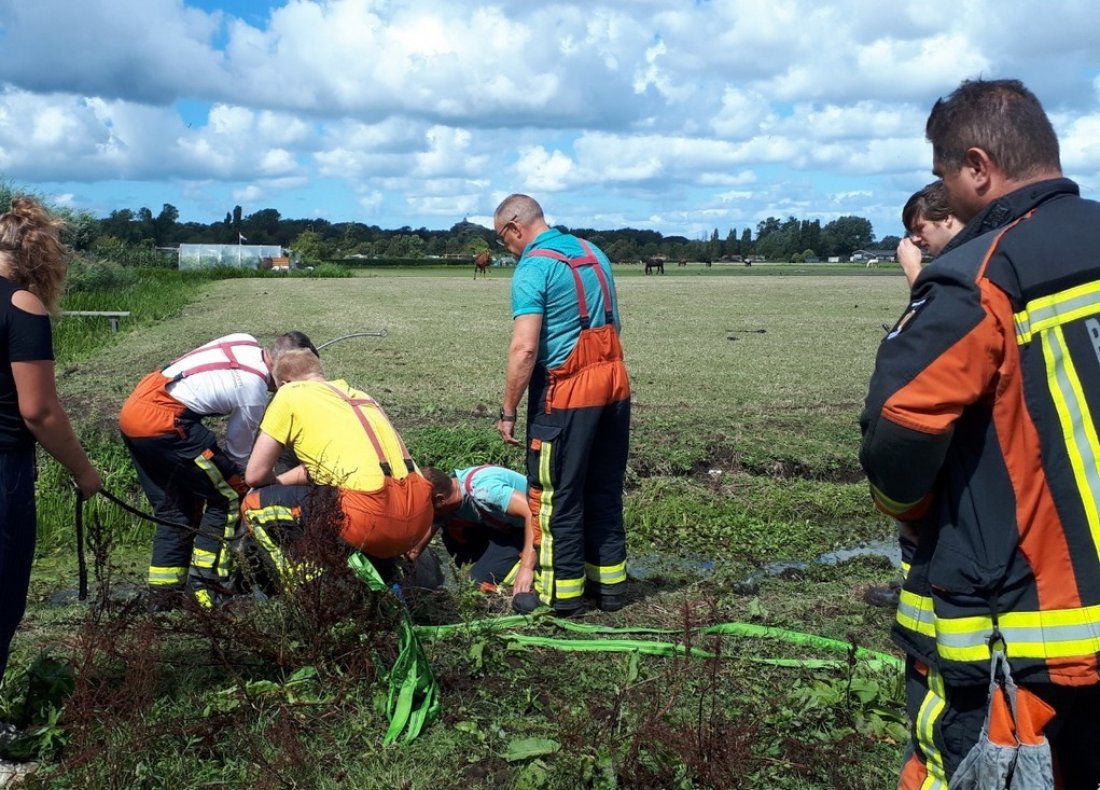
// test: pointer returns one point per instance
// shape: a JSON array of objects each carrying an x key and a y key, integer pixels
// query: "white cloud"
[{"x": 653, "y": 113}]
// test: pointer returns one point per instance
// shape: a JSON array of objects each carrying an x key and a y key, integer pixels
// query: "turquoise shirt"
[
  {"x": 485, "y": 497},
  {"x": 545, "y": 287}
]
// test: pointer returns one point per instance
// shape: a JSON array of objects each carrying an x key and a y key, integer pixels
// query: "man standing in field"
[
  {"x": 565, "y": 352},
  {"x": 980, "y": 429}
]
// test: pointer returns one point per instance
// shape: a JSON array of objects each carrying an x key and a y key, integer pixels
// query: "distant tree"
[
  {"x": 889, "y": 242},
  {"x": 746, "y": 242},
  {"x": 845, "y": 235},
  {"x": 731, "y": 247},
  {"x": 164, "y": 226},
  {"x": 310, "y": 248}
]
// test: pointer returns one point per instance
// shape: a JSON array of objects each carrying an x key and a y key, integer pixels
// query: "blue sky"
[{"x": 661, "y": 114}]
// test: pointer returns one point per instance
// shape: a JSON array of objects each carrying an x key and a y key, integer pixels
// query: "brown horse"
[
  {"x": 655, "y": 264},
  {"x": 482, "y": 262}
]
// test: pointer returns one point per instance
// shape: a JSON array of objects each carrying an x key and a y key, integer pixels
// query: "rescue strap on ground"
[
  {"x": 414, "y": 697},
  {"x": 873, "y": 658}
]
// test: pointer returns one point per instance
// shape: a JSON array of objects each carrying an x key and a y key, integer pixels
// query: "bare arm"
[
  {"x": 42, "y": 413},
  {"x": 910, "y": 257},
  {"x": 46, "y": 419},
  {"x": 519, "y": 506},
  {"x": 261, "y": 464},
  {"x": 522, "y": 353}
]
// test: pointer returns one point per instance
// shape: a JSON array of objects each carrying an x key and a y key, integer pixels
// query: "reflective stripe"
[
  {"x": 925, "y": 726},
  {"x": 1078, "y": 430},
  {"x": 1048, "y": 312},
  {"x": 510, "y": 578},
  {"x": 915, "y": 612},
  {"x": 891, "y": 506},
  {"x": 1058, "y": 633},
  {"x": 905, "y": 566},
  {"x": 606, "y": 574},
  {"x": 568, "y": 588},
  {"x": 273, "y": 551},
  {"x": 221, "y": 567},
  {"x": 163, "y": 576},
  {"x": 545, "y": 582},
  {"x": 205, "y": 599},
  {"x": 203, "y": 559}
]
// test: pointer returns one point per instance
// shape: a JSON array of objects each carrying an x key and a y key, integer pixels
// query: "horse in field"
[
  {"x": 482, "y": 262},
  {"x": 654, "y": 264}
]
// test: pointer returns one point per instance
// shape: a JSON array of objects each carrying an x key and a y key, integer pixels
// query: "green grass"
[{"x": 747, "y": 389}]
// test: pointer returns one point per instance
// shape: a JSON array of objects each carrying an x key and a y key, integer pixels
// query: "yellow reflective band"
[
  {"x": 606, "y": 574},
  {"x": 206, "y": 601},
  {"x": 231, "y": 510},
  {"x": 546, "y": 508},
  {"x": 1078, "y": 430},
  {"x": 891, "y": 506},
  {"x": 1059, "y": 633},
  {"x": 272, "y": 514},
  {"x": 915, "y": 612},
  {"x": 905, "y": 566},
  {"x": 273, "y": 551},
  {"x": 161, "y": 575},
  {"x": 201, "y": 558},
  {"x": 569, "y": 588},
  {"x": 931, "y": 709},
  {"x": 510, "y": 578},
  {"x": 1048, "y": 312}
]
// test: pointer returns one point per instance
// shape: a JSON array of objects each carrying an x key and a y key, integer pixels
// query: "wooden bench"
[{"x": 112, "y": 315}]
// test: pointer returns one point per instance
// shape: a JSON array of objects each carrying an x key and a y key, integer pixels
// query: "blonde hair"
[
  {"x": 296, "y": 364},
  {"x": 30, "y": 243}
]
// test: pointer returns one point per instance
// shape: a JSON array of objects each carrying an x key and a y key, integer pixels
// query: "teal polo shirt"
[
  {"x": 545, "y": 287},
  {"x": 486, "y": 495}
]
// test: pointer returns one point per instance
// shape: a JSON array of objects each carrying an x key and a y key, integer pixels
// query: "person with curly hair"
[{"x": 32, "y": 272}]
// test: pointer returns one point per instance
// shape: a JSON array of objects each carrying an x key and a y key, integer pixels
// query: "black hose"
[{"x": 81, "y": 564}]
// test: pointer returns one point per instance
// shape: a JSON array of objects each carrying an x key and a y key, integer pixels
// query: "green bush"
[{"x": 98, "y": 275}]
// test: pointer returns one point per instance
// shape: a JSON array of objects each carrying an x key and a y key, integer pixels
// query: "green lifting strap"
[
  {"x": 414, "y": 697},
  {"x": 874, "y": 658},
  {"x": 413, "y": 700}
]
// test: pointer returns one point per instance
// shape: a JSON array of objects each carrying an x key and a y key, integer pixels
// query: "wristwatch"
[{"x": 506, "y": 417}]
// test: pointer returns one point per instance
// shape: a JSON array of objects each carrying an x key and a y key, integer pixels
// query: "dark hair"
[
  {"x": 440, "y": 480},
  {"x": 31, "y": 240},
  {"x": 930, "y": 202},
  {"x": 1002, "y": 118},
  {"x": 291, "y": 340}
]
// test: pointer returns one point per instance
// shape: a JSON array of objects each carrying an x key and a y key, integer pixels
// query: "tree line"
[{"x": 125, "y": 233}]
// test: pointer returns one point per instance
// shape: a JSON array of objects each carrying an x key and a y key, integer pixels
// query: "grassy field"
[{"x": 747, "y": 389}]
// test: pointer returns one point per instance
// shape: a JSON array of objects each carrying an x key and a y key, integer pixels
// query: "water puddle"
[{"x": 646, "y": 567}]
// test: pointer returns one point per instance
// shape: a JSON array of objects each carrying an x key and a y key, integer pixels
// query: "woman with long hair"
[{"x": 32, "y": 272}]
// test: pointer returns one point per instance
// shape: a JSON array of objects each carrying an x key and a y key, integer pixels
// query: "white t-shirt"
[{"x": 239, "y": 394}]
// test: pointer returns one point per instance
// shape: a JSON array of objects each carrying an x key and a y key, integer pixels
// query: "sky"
[{"x": 678, "y": 116}]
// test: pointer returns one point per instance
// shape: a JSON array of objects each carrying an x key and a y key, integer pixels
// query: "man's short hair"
[
  {"x": 291, "y": 340},
  {"x": 296, "y": 364},
  {"x": 1002, "y": 118},
  {"x": 440, "y": 480},
  {"x": 929, "y": 203},
  {"x": 523, "y": 207}
]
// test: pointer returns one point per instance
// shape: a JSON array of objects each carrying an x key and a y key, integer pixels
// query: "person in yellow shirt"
[{"x": 346, "y": 446}]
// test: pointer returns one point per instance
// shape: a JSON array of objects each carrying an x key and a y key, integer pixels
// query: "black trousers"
[{"x": 190, "y": 481}]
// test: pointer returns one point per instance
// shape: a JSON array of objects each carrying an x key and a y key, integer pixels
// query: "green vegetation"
[{"x": 746, "y": 395}]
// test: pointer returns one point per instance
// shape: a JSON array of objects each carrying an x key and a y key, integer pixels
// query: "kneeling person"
[
  {"x": 345, "y": 443},
  {"x": 486, "y": 523}
]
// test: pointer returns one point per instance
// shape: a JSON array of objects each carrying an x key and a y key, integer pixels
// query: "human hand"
[
  {"x": 524, "y": 579},
  {"x": 88, "y": 483},
  {"x": 910, "y": 256},
  {"x": 507, "y": 429}
]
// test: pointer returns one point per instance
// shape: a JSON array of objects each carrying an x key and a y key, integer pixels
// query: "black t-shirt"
[{"x": 24, "y": 337}]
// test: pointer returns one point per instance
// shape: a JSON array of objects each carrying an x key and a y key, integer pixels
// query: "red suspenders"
[
  {"x": 230, "y": 363},
  {"x": 467, "y": 487},
  {"x": 355, "y": 404},
  {"x": 575, "y": 264}
]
